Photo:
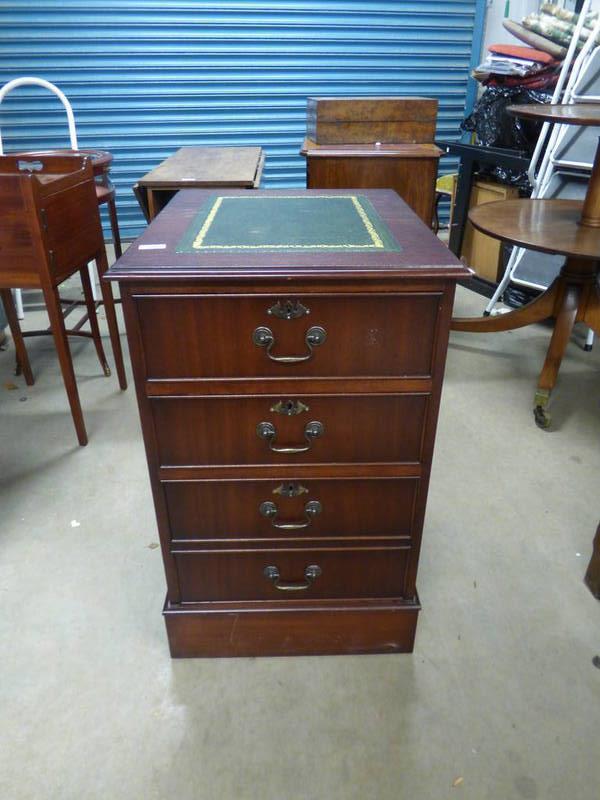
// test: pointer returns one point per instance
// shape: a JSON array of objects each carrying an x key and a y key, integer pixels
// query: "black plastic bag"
[
  {"x": 508, "y": 177},
  {"x": 495, "y": 127}
]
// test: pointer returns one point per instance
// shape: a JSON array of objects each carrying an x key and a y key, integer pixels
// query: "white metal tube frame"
[
  {"x": 14, "y": 84},
  {"x": 30, "y": 81},
  {"x": 540, "y": 181}
]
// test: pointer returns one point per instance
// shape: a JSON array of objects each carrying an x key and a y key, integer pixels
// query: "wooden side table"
[
  {"x": 199, "y": 168},
  {"x": 105, "y": 190},
  {"x": 409, "y": 169},
  {"x": 566, "y": 227},
  {"x": 51, "y": 230}
]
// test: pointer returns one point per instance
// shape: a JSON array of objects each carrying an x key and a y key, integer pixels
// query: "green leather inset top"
[{"x": 255, "y": 221}]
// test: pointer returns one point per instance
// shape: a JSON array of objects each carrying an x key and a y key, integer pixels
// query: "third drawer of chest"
[
  {"x": 284, "y": 509},
  {"x": 259, "y": 430}
]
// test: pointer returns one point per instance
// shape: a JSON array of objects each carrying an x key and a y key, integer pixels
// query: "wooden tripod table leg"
[
  {"x": 93, "y": 318},
  {"x": 538, "y": 310},
  {"x": 563, "y": 327},
  {"x": 15, "y": 329},
  {"x": 565, "y": 227},
  {"x": 590, "y": 314},
  {"x": 114, "y": 226},
  {"x": 573, "y": 297}
]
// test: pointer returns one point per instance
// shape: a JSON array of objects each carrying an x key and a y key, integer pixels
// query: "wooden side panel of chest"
[
  {"x": 412, "y": 178},
  {"x": 277, "y": 540}
]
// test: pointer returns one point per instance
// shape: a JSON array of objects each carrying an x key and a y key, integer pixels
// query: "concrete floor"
[{"x": 499, "y": 700}]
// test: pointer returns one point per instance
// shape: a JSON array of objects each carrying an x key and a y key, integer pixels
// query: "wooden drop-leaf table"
[{"x": 199, "y": 168}]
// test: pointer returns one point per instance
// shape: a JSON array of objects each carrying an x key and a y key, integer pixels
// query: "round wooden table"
[{"x": 567, "y": 227}]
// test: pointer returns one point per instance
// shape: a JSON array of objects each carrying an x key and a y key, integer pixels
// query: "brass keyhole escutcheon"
[
  {"x": 288, "y": 309},
  {"x": 290, "y": 489},
  {"x": 289, "y": 407}
]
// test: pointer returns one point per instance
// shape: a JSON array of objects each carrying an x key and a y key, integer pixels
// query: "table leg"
[
  {"x": 114, "y": 226},
  {"x": 111, "y": 317},
  {"x": 15, "y": 329},
  {"x": 461, "y": 204},
  {"x": 539, "y": 309},
  {"x": 591, "y": 312},
  {"x": 93, "y": 319},
  {"x": 151, "y": 205},
  {"x": 563, "y": 327},
  {"x": 57, "y": 324}
]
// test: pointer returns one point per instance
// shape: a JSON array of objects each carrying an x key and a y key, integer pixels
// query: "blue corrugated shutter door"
[{"x": 146, "y": 77}]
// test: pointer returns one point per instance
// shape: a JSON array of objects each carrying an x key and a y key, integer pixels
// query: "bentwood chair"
[{"x": 50, "y": 230}]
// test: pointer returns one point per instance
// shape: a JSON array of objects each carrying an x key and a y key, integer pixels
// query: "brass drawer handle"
[
  {"x": 311, "y": 573},
  {"x": 267, "y": 431},
  {"x": 263, "y": 337},
  {"x": 269, "y": 510}
]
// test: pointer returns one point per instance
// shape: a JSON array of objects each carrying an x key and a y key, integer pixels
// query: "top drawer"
[{"x": 229, "y": 336}]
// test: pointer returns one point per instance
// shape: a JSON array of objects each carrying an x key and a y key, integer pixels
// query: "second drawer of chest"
[
  {"x": 286, "y": 574},
  {"x": 257, "y": 430},
  {"x": 345, "y": 508}
]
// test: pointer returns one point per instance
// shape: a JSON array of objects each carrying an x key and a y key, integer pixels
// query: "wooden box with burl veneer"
[
  {"x": 288, "y": 349},
  {"x": 366, "y": 120},
  {"x": 374, "y": 143}
]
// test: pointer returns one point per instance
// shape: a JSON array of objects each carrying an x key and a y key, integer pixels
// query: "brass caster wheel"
[
  {"x": 542, "y": 417},
  {"x": 107, "y": 371}
]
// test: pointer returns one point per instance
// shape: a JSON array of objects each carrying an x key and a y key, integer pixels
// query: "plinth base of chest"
[{"x": 291, "y": 628}]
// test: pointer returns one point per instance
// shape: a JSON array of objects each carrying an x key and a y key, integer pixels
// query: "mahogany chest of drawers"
[{"x": 289, "y": 401}]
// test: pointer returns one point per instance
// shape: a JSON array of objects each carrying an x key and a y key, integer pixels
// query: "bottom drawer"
[
  {"x": 316, "y": 627},
  {"x": 287, "y": 574}
]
